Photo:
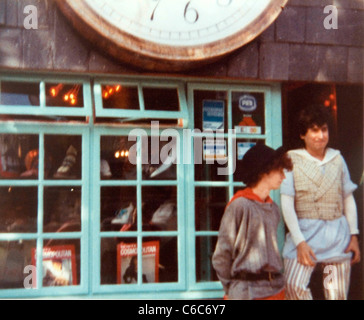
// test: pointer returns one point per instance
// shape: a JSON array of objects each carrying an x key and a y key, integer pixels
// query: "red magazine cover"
[
  {"x": 59, "y": 265},
  {"x": 127, "y": 263}
]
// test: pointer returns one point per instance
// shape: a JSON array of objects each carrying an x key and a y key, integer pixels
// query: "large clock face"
[{"x": 171, "y": 34}]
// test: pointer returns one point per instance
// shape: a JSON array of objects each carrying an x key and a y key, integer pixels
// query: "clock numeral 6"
[{"x": 190, "y": 14}]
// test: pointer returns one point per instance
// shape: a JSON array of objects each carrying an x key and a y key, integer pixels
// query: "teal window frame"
[
  {"x": 40, "y": 183},
  {"x": 142, "y": 113},
  {"x": 139, "y": 183},
  {"x": 272, "y": 136},
  {"x": 90, "y": 235},
  {"x": 43, "y": 109}
]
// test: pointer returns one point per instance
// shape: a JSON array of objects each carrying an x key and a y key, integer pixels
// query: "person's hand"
[
  {"x": 354, "y": 248},
  {"x": 305, "y": 254}
]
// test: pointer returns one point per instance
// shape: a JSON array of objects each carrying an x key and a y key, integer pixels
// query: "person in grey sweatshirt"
[{"x": 246, "y": 258}]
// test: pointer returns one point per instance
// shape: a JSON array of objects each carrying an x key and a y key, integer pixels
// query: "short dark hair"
[{"x": 313, "y": 115}]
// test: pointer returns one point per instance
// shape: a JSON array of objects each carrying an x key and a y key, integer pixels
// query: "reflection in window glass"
[
  {"x": 248, "y": 112},
  {"x": 118, "y": 209},
  {"x": 120, "y": 97},
  {"x": 62, "y": 157},
  {"x": 159, "y": 158},
  {"x": 205, "y": 247},
  {"x": 164, "y": 99},
  {"x": 19, "y": 93},
  {"x": 14, "y": 257},
  {"x": 64, "y": 95},
  {"x": 210, "y": 110},
  {"x": 18, "y": 209},
  {"x": 61, "y": 262},
  {"x": 160, "y": 259},
  {"x": 242, "y": 146},
  {"x": 159, "y": 208},
  {"x": 210, "y": 203},
  {"x": 211, "y": 159},
  {"x": 118, "y": 261},
  {"x": 117, "y": 154},
  {"x": 62, "y": 209},
  {"x": 19, "y": 156}
]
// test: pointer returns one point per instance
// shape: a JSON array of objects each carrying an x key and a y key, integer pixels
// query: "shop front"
[{"x": 114, "y": 178}]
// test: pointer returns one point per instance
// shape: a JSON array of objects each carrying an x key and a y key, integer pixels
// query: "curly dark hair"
[
  {"x": 313, "y": 115},
  {"x": 281, "y": 162}
]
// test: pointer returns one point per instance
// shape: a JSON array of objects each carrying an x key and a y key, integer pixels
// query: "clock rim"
[{"x": 152, "y": 55}]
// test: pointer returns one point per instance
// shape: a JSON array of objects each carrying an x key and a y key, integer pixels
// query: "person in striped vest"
[{"x": 319, "y": 211}]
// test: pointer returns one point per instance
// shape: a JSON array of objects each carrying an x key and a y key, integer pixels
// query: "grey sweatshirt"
[{"x": 248, "y": 242}]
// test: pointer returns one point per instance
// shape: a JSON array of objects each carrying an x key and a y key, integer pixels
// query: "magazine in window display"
[
  {"x": 127, "y": 262},
  {"x": 213, "y": 115},
  {"x": 59, "y": 265}
]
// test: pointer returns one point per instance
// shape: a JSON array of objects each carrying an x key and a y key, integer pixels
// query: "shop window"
[
  {"x": 44, "y": 99},
  {"x": 63, "y": 157},
  {"x": 64, "y": 95},
  {"x": 139, "y": 201},
  {"x": 15, "y": 93},
  {"x": 228, "y": 120},
  {"x": 134, "y": 102}
]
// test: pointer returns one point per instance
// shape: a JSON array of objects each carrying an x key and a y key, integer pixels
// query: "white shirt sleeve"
[
  {"x": 351, "y": 213},
  {"x": 290, "y": 218}
]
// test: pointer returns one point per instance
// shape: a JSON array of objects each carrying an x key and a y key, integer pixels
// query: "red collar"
[{"x": 249, "y": 194}]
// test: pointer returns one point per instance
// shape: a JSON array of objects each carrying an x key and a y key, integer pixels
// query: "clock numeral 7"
[
  {"x": 224, "y": 3},
  {"x": 155, "y": 8}
]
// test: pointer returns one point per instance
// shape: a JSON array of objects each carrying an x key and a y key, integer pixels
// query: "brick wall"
[{"x": 295, "y": 47}]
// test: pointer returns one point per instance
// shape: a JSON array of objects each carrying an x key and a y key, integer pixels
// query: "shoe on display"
[
  {"x": 31, "y": 164},
  {"x": 64, "y": 171},
  {"x": 165, "y": 216},
  {"x": 125, "y": 215},
  {"x": 105, "y": 169}
]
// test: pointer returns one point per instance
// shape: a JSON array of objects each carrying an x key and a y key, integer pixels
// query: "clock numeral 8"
[{"x": 190, "y": 14}]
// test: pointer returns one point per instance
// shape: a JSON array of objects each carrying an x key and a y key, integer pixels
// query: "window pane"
[
  {"x": 161, "y": 99},
  {"x": 211, "y": 159},
  {"x": 160, "y": 259},
  {"x": 115, "y": 162},
  {"x": 19, "y": 156},
  {"x": 159, "y": 158},
  {"x": 120, "y": 97},
  {"x": 248, "y": 112},
  {"x": 242, "y": 146},
  {"x": 62, "y": 157},
  {"x": 205, "y": 247},
  {"x": 210, "y": 203},
  {"x": 19, "y": 93},
  {"x": 14, "y": 257},
  {"x": 210, "y": 110},
  {"x": 64, "y": 95},
  {"x": 18, "y": 209},
  {"x": 118, "y": 209},
  {"x": 159, "y": 208},
  {"x": 62, "y": 209},
  {"x": 61, "y": 262},
  {"x": 118, "y": 261}
]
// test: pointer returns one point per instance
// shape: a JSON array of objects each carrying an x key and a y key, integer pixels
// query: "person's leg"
[
  {"x": 297, "y": 277},
  {"x": 336, "y": 279}
]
